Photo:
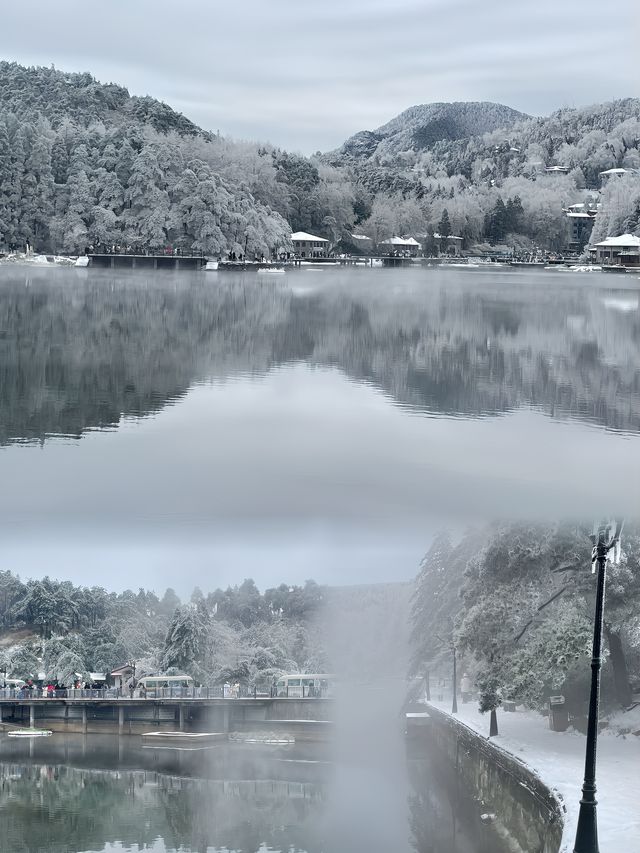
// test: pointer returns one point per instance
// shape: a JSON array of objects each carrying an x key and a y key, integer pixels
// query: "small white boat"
[
  {"x": 211, "y": 266},
  {"x": 270, "y": 271},
  {"x": 82, "y": 261},
  {"x": 30, "y": 733}
]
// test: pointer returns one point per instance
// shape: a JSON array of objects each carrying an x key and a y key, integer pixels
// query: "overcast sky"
[{"x": 306, "y": 76}]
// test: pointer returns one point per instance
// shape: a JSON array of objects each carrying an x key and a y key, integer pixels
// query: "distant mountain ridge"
[{"x": 420, "y": 127}]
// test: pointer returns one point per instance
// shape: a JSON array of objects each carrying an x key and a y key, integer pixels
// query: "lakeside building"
[
  {"x": 450, "y": 245},
  {"x": 623, "y": 250},
  {"x": 122, "y": 675},
  {"x": 580, "y": 226},
  {"x": 402, "y": 245},
  {"x": 309, "y": 246},
  {"x": 615, "y": 173},
  {"x": 557, "y": 170}
]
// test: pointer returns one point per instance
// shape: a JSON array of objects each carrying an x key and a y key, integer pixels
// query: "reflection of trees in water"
[
  {"x": 49, "y": 807},
  {"x": 79, "y": 354}
]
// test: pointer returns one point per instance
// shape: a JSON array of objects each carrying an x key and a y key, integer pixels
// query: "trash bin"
[{"x": 558, "y": 714}]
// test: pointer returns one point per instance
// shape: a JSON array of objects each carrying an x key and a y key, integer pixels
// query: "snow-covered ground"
[{"x": 558, "y": 759}]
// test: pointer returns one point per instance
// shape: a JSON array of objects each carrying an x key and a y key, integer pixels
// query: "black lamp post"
[{"x": 605, "y": 538}]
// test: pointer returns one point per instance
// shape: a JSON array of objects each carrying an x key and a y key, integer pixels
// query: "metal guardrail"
[{"x": 219, "y": 692}]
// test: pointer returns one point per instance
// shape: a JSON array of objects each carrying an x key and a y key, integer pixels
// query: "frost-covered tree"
[{"x": 185, "y": 643}]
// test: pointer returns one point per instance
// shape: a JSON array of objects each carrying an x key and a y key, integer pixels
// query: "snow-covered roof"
[
  {"x": 126, "y": 667},
  {"x": 94, "y": 676},
  {"x": 613, "y": 172},
  {"x": 573, "y": 214},
  {"x": 302, "y": 235},
  {"x": 578, "y": 206},
  {"x": 400, "y": 241},
  {"x": 623, "y": 241},
  {"x": 450, "y": 237},
  {"x": 557, "y": 169},
  {"x": 360, "y": 237}
]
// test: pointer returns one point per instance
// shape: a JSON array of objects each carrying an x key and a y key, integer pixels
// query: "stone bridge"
[{"x": 308, "y": 717}]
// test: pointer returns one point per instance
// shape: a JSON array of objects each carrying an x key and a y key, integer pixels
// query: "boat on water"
[
  {"x": 82, "y": 261},
  {"x": 614, "y": 268},
  {"x": 270, "y": 271},
  {"x": 211, "y": 266}
]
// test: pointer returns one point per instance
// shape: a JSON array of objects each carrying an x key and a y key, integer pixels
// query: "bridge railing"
[{"x": 216, "y": 692}]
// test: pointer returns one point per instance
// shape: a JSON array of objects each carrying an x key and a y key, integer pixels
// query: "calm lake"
[
  {"x": 320, "y": 425},
  {"x": 69, "y": 794}
]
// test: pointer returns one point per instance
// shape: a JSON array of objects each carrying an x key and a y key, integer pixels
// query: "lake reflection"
[
  {"x": 80, "y": 350},
  {"x": 326, "y": 423},
  {"x": 67, "y": 794}
]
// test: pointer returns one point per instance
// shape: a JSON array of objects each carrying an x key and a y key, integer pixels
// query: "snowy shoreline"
[
  {"x": 557, "y": 759},
  {"x": 23, "y": 259}
]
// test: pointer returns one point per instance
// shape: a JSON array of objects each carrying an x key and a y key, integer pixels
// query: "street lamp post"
[{"x": 605, "y": 538}]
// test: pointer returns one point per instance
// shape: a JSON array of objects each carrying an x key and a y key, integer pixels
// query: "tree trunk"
[{"x": 619, "y": 664}]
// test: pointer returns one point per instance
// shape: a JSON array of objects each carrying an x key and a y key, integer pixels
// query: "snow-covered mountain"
[{"x": 420, "y": 127}]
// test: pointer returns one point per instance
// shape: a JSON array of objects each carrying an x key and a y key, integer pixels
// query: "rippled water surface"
[{"x": 348, "y": 408}]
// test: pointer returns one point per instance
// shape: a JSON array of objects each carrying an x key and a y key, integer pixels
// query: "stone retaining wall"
[{"x": 526, "y": 812}]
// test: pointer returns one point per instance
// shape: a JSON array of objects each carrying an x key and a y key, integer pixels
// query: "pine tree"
[
  {"x": 444, "y": 226},
  {"x": 60, "y": 161},
  {"x": 498, "y": 222},
  {"x": 185, "y": 643}
]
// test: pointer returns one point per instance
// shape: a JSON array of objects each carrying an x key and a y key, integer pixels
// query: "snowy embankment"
[
  {"x": 557, "y": 758},
  {"x": 22, "y": 258}
]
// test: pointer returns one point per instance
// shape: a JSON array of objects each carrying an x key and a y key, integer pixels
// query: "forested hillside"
[
  {"x": 60, "y": 97},
  {"x": 82, "y": 163},
  {"x": 56, "y": 627},
  {"x": 237, "y": 634},
  {"x": 517, "y": 603},
  {"x": 493, "y": 185},
  {"x": 421, "y": 127}
]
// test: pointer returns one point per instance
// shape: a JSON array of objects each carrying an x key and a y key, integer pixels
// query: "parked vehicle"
[
  {"x": 302, "y": 685},
  {"x": 165, "y": 685}
]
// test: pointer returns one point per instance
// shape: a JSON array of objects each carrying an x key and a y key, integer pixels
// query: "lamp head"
[{"x": 606, "y": 534}]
